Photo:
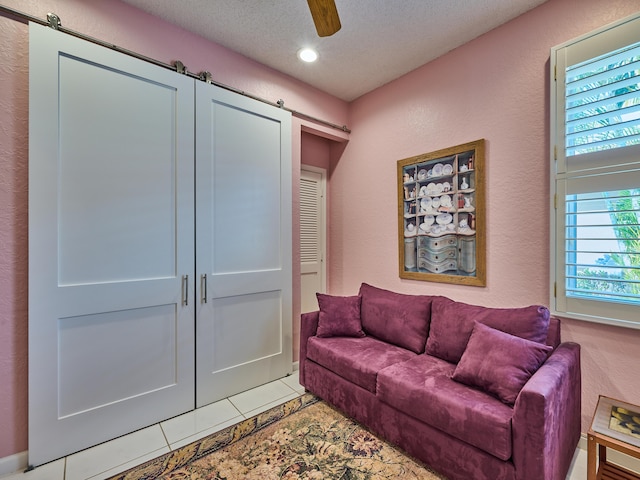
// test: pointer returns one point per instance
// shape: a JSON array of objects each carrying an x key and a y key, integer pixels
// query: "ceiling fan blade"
[{"x": 325, "y": 16}]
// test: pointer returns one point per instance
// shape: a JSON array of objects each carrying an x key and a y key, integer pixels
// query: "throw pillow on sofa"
[
  {"x": 396, "y": 318},
  {"x": 452, "y": 323},
  {"x": 499, "y": 363},
  {"x": 339, "y": 316}
]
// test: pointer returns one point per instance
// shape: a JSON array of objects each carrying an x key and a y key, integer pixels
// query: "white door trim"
[{"x": 322, "y": 234}]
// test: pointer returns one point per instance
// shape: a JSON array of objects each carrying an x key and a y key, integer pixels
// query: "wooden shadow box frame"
[{"x": 441, "y": 215}]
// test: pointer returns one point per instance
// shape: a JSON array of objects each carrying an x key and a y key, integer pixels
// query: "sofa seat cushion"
[
  {"x": 422, "y": 388},
  {"x": 356, "y": 359}
]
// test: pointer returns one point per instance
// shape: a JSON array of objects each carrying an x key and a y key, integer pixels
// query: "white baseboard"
[
  {"x": 296, "y": 366},
  {"x": 582, "y": 444},
  {"x": 17, "y": 462}
]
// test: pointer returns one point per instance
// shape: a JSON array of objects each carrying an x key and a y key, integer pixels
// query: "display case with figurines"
[{"x": 441, "y": 219}]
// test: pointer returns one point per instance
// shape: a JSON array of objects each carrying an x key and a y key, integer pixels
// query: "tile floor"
[{"x": 110, "y": 458}]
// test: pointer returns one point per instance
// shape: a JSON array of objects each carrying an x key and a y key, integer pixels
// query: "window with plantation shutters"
[
  {"x": 602, "y": 102},
  {"x": 603, "y": 245},
  {"x": 595, "y": 176}
]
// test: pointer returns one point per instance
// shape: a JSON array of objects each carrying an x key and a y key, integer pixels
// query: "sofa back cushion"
[
  {"x": 452, "y": 323},
  {"x": 396, "y": 318}
]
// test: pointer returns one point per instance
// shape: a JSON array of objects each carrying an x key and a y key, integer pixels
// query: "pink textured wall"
[
  {"x": 115, "y": 22},
  {"x": 316, "y": 151},
  {"x": 497, "y": 88},
  {"x": 311, "y": 149},
  {"x": 319, "y": 147},
  {"x": 14, "y": 94}
]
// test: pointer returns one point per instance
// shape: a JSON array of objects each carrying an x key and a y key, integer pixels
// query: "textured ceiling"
[{"x": 380, "y": 40}]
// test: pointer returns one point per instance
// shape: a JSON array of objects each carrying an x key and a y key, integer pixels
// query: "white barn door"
[
  {"x": 111, "y": 244},
  {"x": 243, "y": 253}
]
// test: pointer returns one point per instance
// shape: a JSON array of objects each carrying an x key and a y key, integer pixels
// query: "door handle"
[
  {"x": 185, "y": 290},
  {"x": 203, "y": 288}
]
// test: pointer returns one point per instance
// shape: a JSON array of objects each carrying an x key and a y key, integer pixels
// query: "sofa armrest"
[
  {"x": 308, "y": 328},
  {"x": 546, "y": 417}
]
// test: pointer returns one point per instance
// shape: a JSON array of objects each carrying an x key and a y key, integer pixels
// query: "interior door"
[
  {"x": 312, "y": 236},
  {"x": 111, "y": 244},
  {"x": 243, "y": 243}
]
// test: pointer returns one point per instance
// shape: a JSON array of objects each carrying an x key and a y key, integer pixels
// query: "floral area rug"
[{"x": 299, "y": 440}]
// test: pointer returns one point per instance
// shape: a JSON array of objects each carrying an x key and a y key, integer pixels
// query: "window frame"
[{"x": 565, "y": 169}]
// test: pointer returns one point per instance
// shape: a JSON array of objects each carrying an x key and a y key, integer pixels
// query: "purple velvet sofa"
[{"x": 474, "y": 392}]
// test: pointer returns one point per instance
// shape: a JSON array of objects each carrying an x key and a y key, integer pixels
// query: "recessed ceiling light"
[{"x": 307, "y": 55}]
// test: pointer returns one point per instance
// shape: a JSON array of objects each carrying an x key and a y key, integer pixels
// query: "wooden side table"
[{"x": 615, "y": 425}]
